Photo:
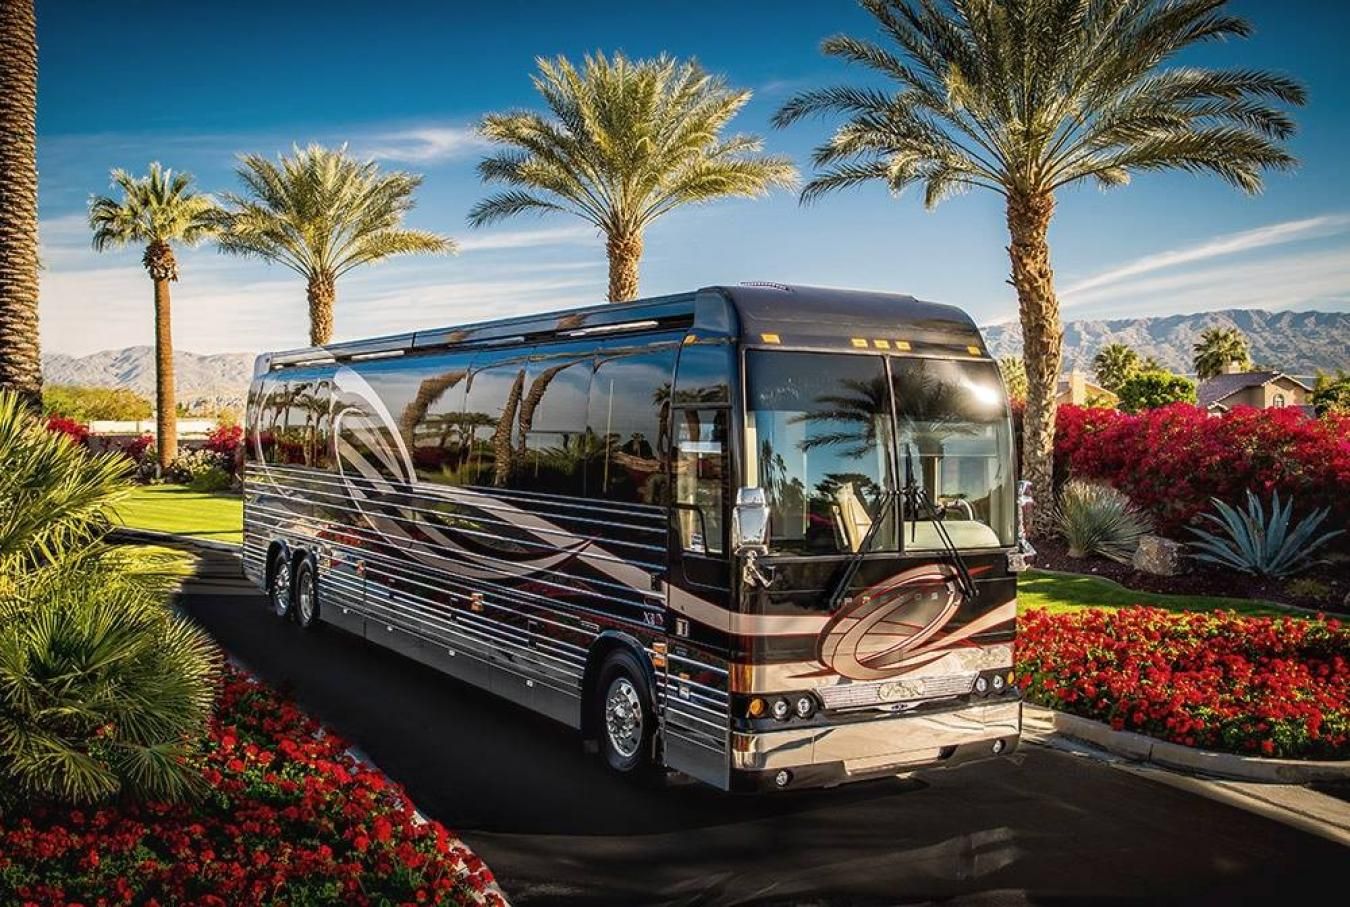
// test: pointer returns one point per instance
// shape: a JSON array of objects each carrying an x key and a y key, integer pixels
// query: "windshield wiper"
[
  {"x": 916, "y": 496},
  {"x": 855, "y": 559}
]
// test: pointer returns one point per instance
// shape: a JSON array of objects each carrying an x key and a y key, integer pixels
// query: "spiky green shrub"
[
  {"x": 1250, "y": 542},
  {"x": 103, "y": 690},
  {"x": 1097, "y": 519}
]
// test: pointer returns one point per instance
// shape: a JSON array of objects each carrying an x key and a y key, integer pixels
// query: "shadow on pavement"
[{"x": 1042, "y": 826}]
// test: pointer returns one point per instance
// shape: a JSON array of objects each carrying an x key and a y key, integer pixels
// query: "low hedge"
[{"x": 1212, "y": 680}]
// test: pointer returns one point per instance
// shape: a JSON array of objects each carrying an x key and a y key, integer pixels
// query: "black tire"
[
  {"x": 624, "y": 719},
  {"x": 282, "y": 590},
  {"x": 305, "y": 594}
]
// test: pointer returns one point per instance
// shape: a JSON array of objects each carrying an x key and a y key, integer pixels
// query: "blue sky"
[{"x": 192, "y": 85}]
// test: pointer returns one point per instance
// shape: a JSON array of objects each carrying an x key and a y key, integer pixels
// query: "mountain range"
[
  {"x": 1298, "y": 343},
  {"x": 219, "y": 379}
]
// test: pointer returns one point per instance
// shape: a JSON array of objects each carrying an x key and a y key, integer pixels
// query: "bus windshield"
[{"x": 823, "y": 443}]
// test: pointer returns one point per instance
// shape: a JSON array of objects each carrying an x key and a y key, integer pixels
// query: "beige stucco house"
[
  {"x": 1262, "y": 390},
  {"x": 1075, "y": 388}
]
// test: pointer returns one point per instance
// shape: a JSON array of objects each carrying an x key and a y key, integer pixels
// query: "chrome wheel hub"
[
  {"x": 623, "y": 717},
  {"x": 305, "y": 598},
  {"x": 281, "y": 589}
]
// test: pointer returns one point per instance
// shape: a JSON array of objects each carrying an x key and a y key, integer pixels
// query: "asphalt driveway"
[{"x": 1043, "y": 826}]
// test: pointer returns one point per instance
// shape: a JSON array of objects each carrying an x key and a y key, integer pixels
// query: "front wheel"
[
  {"x": 306, "y": 595},
  {"x": 625, "y": 720}
]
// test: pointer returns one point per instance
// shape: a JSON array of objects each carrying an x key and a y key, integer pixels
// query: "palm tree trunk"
[
  {"x": 20, "y": 358},
  {"x": 1042, "y": 335},
  {"x": 321, "y": 293},
  {"x": 166, "y": 402},
  {"x": 625, "y": 254}
]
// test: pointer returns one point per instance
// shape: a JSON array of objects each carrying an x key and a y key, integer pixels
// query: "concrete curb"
[
  {"x": 127, "y": 534},
  {"x": 1141, "y": 748}
]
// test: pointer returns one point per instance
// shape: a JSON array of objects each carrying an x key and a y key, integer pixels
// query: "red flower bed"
[
  {"x": 1265, "y": 686},
  {"x": 288, "y": 818},
  {"x": 1172, "y": 460},
  {"x": 226, "y": 440}
]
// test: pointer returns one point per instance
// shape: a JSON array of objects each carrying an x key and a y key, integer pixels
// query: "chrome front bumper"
[{"x": 890, "y": 745}]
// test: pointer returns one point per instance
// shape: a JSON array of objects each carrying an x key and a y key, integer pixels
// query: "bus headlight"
[
  {"x": 781, "y": 709},
  {"x": 981, "y": 685},
  {"x": 805, "y": 706},
  {"x": 999, "y": 683}
]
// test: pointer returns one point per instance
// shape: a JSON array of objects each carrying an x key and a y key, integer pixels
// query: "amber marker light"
[
  {"x": 756, "y": 708},
  {"x": 770, "y": 338}
]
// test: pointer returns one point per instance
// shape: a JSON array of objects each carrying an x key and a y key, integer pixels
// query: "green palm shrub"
[
  {"x": 1250, "y": 542},
  {"x": 1098, "y": 519},
  {"x": 103, "y": 690}
]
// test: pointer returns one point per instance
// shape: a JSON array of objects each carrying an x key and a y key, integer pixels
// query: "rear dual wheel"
[{"x": 294, "y": 591}]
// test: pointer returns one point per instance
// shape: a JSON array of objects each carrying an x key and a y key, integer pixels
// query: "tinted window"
[
  {"x": 701, "y": 479},
  {"x": 704, "y": 374},
  {"x": 432, "y": 421},
  {"x": 490, "y": 417},
  {"x": 628, "y": 420},
  {"x": 367, "y": 401},
  {"x": 551, "y": 438}
]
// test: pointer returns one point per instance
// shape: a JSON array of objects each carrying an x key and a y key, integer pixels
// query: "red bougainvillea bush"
[
  {"x": 1213, "y": 680},
  {"x": 1172, "y": 460},
  {"x": 287, "y": 818}
]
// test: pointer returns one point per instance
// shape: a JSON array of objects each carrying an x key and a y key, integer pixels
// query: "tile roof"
[{"x": 1212, "y": 390}]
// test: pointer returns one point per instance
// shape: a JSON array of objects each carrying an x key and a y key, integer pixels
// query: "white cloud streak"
[
  {"x": 527, "y": 239},
  {"x": 421, "y": 145},
  {"x": 1230, "y": 244}
]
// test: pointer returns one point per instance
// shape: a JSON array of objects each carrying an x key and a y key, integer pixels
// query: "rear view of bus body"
[{"x": 759, "y": 534}]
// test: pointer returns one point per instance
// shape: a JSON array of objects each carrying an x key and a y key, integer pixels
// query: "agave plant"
[
  {"x": 1249, "y": 542},
  {"x": 1098, "y": 519}
]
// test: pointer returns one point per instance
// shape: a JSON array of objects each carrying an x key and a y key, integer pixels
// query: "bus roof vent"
[{"x": 768, "y": 284}]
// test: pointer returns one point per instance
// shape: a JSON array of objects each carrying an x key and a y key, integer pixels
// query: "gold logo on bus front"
[{"x": 891, "y": 628}]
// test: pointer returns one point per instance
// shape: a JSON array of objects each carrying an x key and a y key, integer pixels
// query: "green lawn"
[
  {"x": 173, "y": 508},
  {"x": 1070, "y": 592}
]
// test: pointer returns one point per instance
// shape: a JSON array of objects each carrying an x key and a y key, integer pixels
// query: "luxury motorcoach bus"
[{"x": 762, "y": 535}]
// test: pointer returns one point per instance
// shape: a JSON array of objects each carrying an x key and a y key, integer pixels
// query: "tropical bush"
[
  {"x": 1265, "y": 686},
  {"x": 85, "y": 404},
  {"x": 225, "y": 440},
  {"x": 1172, "y": 461},
  {"x": 202, "y": 470},
  {"x": 1152, "y": 389},
  {"x": 1096, "y": 519},
  {"x": 1331, "y": 393},
  {"x": 102, "y": 690},
  {"x": 291, "y": 819},
  {"x": 1251, "y": 542}
]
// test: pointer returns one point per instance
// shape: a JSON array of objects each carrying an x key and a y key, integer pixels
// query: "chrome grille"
[{"x": 862, "y": 695}]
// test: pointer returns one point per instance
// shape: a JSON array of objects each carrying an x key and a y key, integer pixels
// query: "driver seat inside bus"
[{"x": 850, "y": 516}]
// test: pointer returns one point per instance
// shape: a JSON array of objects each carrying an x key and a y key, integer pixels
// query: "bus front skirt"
[{"x": 826, "y": 756}]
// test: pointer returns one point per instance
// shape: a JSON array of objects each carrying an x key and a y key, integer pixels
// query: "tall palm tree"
[
  {"x": 628, "y": 141},
  {"x": 20, "y": 361},
  {"x": 159, "y": 210},
  {"x": 1218, "y": 348},
  {"x": 321, "y": 212},
  {"x": 1113, "y": 364},
  {"x": 1025, "y": 97}
]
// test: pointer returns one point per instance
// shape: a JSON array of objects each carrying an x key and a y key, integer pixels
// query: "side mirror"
[{"x": 750, "y": 522}]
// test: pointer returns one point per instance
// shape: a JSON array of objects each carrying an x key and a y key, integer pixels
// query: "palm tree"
[
  {"x": 158, "y": 210},
  {"x": 321, "y": 213},
  {"x": 1113, "y": 364},
  {"x": 1219, "y": 348},
  {"x": 1025, "y": 97},
  {"x": 20, "y": 361},
  {"x": 628, "y": 142}
]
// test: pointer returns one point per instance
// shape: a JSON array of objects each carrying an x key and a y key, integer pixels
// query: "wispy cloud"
[
  {"x": 525, "y": 239},
  {"x": 421, "y": 145},
  {"x": 1229, "y": 244}
]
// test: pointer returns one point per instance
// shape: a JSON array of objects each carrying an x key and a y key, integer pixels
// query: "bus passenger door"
[{"x": 696, "y": 691}]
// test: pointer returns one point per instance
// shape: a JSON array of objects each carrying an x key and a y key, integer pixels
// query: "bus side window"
[
  {"x": 490, "y": 420},
  {"x": 627, "y": 423},
  {"x": 701, "y": 478},
  {"x": 551, "y": 431}
]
